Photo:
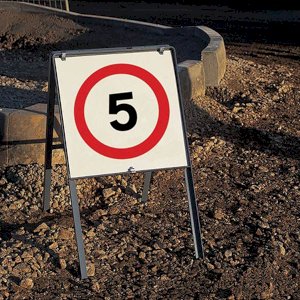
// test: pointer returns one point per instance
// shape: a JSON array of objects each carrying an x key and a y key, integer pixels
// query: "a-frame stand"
[{"x": 193, "y": 208}]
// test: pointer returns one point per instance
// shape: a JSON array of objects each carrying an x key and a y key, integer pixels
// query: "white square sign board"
[{"x": 121, "y": 111}]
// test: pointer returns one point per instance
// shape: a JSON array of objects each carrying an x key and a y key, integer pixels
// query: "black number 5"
[{"x": 114, "y": 108}]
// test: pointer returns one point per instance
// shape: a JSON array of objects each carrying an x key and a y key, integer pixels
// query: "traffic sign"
[{"x": 120, "y": 111}]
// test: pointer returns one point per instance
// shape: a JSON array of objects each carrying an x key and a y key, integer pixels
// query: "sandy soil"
[{"x": 245, "y": 145}]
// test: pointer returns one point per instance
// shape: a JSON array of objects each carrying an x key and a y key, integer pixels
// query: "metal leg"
[
  {"x": 67, "y": 5},
  {"x": 194, "y": 214},
  {"x": 147, "y": 181},
  {"x": 78, "y": 230},
  {"x": 49, "y": 139},
  {"x": 47, "y": 184}
]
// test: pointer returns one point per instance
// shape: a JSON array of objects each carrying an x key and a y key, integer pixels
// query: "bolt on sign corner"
[{"x": 121, "y": 111}]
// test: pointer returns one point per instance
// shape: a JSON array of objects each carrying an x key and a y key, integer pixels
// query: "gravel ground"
[{"x": 245, "y": 147}]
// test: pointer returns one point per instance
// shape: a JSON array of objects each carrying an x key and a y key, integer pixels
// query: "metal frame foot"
[
  {"x": 147, "y": 181},
  {"x": 78, "y": 229},
  {"x": 194, "y": 214}
]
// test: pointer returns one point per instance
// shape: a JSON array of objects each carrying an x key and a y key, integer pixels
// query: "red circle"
[{"x": 163, "y": 111}]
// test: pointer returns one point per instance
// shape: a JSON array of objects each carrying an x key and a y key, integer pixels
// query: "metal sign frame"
[{"x": 53, "y": 94}]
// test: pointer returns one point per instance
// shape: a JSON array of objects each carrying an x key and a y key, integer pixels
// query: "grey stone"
[
  {"x": 192, "y": 81},
  {"x": 23, "y": 135}
]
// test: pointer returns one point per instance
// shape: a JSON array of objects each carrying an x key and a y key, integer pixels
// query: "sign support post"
[
  {"x": 49, "y": 138},
  {"x": 163, "y": 104},
  {"x": 78, "y": 230},
  {"x": 48, "y": 172},
  {"x": 194, "y": 214},
  {"x": 147, "y": 181}
]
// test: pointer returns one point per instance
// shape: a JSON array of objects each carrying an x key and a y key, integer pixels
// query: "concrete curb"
[
  {"x": 192, "y": 80},
  {"x": 23, "y": 135},
  {"x": 22, "y": 132},
  {"x": 213, "y": 56}
]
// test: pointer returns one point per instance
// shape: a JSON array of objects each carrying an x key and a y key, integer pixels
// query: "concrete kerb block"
[
  {"x": 191, "y": 77},
  {"x": 4, "y": 123},
  {"x": 23, "y": 135},
  {"x": 213, "y": 56}
]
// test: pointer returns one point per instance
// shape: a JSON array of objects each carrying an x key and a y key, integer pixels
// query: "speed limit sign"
[{"x": 121, "y": 112}]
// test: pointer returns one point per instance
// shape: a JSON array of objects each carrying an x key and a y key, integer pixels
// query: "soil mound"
[{"x": 27, "y": 30}]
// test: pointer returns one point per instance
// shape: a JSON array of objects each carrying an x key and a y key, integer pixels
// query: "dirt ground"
[{"x": 244, "y": 138}]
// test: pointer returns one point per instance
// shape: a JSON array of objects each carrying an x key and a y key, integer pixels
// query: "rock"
[
  {"x": 142, "y": 255},
  {"x": 15, "y": 205},
  {"x": 99, "y": 213},
  {"x": 282, "y": 250},
  {"x": 101, "y": 254},
  {"x": 154, "y": 269},
  {"x": 91, "y": 269},
  {"x": 35, "y": 266},
  {"x": 263, "y": 169},
  {"x": 96, "y": 286},
  {"x": 62, "y": 263},
  {"x": 55, "y": 204},
  {"x": 164, "y": 277},
  {"x": 2, "y": 271},
  {"x": 5, "y": 261},
  {"x": 211, "y": 243},
  {"x": 101, "y": 227},
  {"x": 18, "y": 259},
  {"x": 34, "y": 208},
  {"x": 53, "y": 246},
  {"x": 108, "y": 192},
  {"x": 66, "y": 234},
  {"x": 47, "y": 255},
  {"x": 131, "y": 189},
  {"x": 42, "y": 227},
  {"x": 228, "y": 253},
  {"x": 268, "y": 293},
  {"x": 237, "y": 109},
  {"x": 21, "y": 231},
  {"x": 21, "y": 268},
  {"x": 91, "y": 233},
  {"x": 258, "y": 232},
  {"x": 124, "y": 183},
  {"x": 27, "y": 254},
  {"x": 263, "y": 225},
  {"x": 114, "y": 210},
  {"x": 284, "y": 89},
  {"x": 156, "y": 246},
  {"x": 133, "y": 219},
  {"x": 39, "y": 257},
  {"x": 27, "y": 283},
  {"x": 198, "y": 149},
  {"x": 219, "y": 214},
  {"x": 5, "y": 293}
]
